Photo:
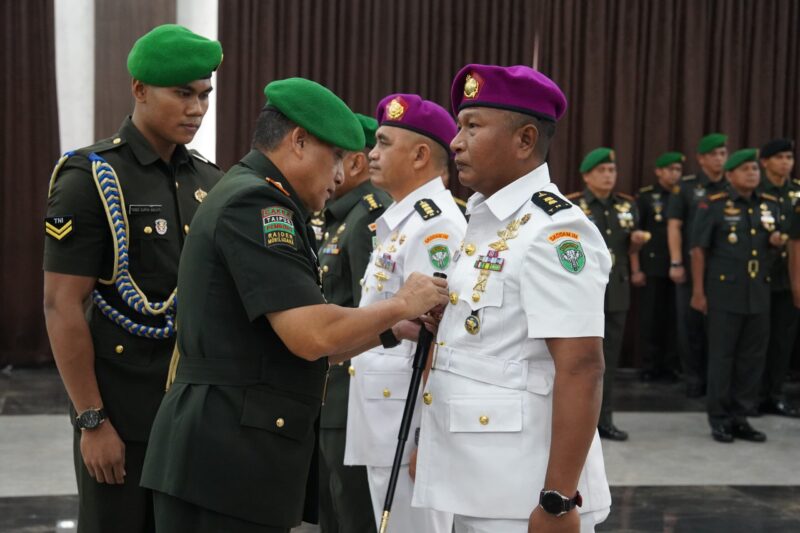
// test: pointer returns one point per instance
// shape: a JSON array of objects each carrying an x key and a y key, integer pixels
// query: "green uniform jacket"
[
  {"x": 616, "y": 217},
  {"x": 735, "y": 232},
  {"x": 160, "y": 200},
  {"x": 237, "y": 432},
  {"x": 683, "y": 204},
  {"x": 787, "y": 201},
  {"x": 653, "y": 202},
  {"x": 346, "y": 249}
]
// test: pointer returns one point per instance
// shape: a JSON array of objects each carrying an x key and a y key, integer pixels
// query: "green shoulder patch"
[
  {"x": 550, "y": 203},
  {"x": 571, "y": 256},
  {"x": 58, "y": 227},
  {"x": 278, "y": 226},
  {"x": 371, "y": 202},
  {"x": 427, "y": 209}
]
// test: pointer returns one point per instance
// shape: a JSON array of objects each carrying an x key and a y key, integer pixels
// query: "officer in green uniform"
[
  {"x": 735, "y": 237},
  {"x": 345, "y": 504},
  {"x": 617, "y": 218},
  {"x": 711, "y": 155},
  {"x": 118, "y": 213},
  {"x": 657, "y": 302},
  {"x": 777, "y": 161},
  {"x": 234, "y": 442}
]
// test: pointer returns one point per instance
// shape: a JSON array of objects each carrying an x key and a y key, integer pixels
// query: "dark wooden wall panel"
[{"x": 118, "y": 23}]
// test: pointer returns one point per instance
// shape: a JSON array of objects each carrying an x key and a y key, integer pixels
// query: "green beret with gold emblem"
[
  {"x": 315, "y": 108},
  {"x": 370, "y": 126},
  {"x": 740, "y": 157},
  {"x": 598, "y": 156},
  {"x": 172, "y": 55},
  {"x": 668, "y": 158},
  {"x": 712, "y": 141}
]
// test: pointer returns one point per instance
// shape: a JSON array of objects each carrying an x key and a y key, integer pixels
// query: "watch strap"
[{"x": 388, "y": 340}]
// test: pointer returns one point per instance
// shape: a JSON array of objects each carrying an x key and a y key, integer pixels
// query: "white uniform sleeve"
[
  {"x": 564, "y": 278},
  {"x": 432, "y": 248}
]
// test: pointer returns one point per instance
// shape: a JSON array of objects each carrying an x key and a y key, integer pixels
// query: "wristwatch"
[
  {"x": 557, "y": 504},
  {"x": 675, "y": 264},
  {"x": 388, "y": 340},
  {"x": 90, "y": 418}
]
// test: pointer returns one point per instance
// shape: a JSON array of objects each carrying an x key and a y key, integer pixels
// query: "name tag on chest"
[{"x": 143, "y": 209}]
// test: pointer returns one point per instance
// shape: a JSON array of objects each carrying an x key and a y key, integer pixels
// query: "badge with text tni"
[{"x": 278, "y": 226}]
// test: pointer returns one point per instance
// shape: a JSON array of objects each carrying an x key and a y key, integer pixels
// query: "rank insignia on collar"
[
  {"x": 372, "y": 227},
  {"x": 549, "y": 203},
  {"x": 427, "y": 209},
  {"x": 278, "y": 186},
  {"x": 200, "y": 195},
  {"x": 58, "y": 227}
]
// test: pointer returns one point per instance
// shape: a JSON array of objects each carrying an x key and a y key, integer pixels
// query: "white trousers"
[
  {"x": 470, "y": 524},
  {"x": 403, "y": 518}
]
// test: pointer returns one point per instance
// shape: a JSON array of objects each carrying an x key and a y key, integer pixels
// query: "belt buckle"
[{"x": 752, "y": 267}]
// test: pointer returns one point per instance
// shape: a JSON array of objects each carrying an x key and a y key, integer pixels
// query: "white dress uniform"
[
  {"x": 418, "y": 234},
  {"x": 531, "y": 268}
]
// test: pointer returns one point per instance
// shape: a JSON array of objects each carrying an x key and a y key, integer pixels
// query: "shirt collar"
[
  {"x": 511, "y": 197},
  {"x": 398, "y": 211},
  {"x": 142, "y": 149},
  {"x": 339, "y": 208},
  {"x": 261, "y": 164}
]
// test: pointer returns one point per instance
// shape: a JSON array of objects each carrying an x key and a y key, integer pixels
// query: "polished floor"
[{"x": 669, "y": 477}]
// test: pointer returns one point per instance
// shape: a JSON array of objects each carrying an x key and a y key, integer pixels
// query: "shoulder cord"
[{"x": 114, "y": 205}]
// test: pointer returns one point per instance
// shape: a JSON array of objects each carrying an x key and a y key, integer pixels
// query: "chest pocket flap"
[
  {"x": 386, "y": 385},
  {"x": 492, "y": 414},
  {"x": 489, "y": 294}
]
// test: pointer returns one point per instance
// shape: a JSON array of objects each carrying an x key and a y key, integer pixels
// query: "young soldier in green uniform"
[
  {"x": 617, "y": 218},
  {"x": 734, "y": 239},
  {"x": 657, "y": 304},
  {"x": 777, "y": 160},
  {"x": 117, "y": 216},
  {"x": 345, "y": 504},
  {"x": 711, "y": 155},
  {"x": 234, "y": 441}
]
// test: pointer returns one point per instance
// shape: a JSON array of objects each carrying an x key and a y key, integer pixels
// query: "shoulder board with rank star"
[
  {"x": 626, "y": 196},
  {"x": 549, "y": 202},
  {"x": 796, "y": 182},
  {"x": 646, "y": 188},
  {"x": 767, "y": 196},
  {"x": 690, "y": 177},
  {"x": 427, "y": 209},
  {"x": 718, "y": 196},
  {"x": 371, "y": 203},
  {"x": 201, "y": 157},
  {"x": 278, "y": 186}
]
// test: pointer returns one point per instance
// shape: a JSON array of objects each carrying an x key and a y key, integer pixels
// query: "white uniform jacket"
[
  {"x": 532, "y": 267},
  {"x": 418, "y": 234}
]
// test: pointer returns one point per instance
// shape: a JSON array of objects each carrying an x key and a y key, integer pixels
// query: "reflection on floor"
[{"x": 670, "y": 477}]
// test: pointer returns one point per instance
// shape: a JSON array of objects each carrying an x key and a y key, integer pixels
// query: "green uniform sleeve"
[
  {"x": 702, "y": 227},
  {"x": 359, "y": 251},
  {"x": 80, "y": 250},
  {"x": 270, "y": 263},
  {"x": 794, "y": 222},
  {"x": 677, "y": 206}
]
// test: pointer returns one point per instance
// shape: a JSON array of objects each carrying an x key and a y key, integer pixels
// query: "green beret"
[
  {"x": 597, "y": 157},
  {"x": 315, "y": 108},
  {"x": 711, "y": 142},
  {"x": 667, "y": 158},
  {"x": 370, "y": 126},
  {"x": 172, "y": 55},
  {"x": 741, "y": 156}
]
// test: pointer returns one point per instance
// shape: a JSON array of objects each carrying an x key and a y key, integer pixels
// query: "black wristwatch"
[
  {"x": 557, "y": 504},
  {"x": 90, "y": 418},
  {"x": 675, "y": 264},
  {"x": 388, "y": 340}
]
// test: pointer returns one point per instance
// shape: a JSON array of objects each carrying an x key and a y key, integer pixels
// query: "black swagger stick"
[{"x": 418, "y": 368}]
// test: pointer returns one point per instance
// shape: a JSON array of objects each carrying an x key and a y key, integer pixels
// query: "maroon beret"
[
  {"x": 518, "y": 88},
  {"x": 411, "y": 112}
]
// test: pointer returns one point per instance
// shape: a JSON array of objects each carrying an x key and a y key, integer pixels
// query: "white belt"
[{"x": 509, "y": 374}]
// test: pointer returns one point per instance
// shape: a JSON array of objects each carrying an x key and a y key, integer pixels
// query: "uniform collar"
[
  {"x": 144, "y": 151},
  {"x": 591, "y": 197},
  {"x": 765, "y": 185},
  {"x": 735, "y": 196},
  {"x": 511, "y": 197},
  {"x": 398, "y": 212},
  {"x": 257, "y": 161},
  {"x": 339, "y": 208}
]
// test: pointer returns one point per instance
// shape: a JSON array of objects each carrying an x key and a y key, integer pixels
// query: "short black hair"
[
  {"x": 271, "y": 127},
  {"x": 546, "y": 129}
]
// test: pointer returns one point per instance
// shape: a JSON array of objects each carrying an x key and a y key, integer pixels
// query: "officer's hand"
[
  {"x": 421, "y": 293},
  {"x": 777, "y": 239},
  {"x": 677, "y": 274},
  {"x": 543, "y": 522},
  {"x": 104, "y": 454},
  {"x": 640, "y": 237},
  {"x": 638, "y": 279},
  {"x": 412, "y": 465},
  {"x": 699, "y": 303}
]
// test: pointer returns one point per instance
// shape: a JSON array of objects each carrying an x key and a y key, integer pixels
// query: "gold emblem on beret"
[
  {"x": 471, "y": 87},
  {"x": 611, "y": 155},
  {"x": 395, "y": 110}
]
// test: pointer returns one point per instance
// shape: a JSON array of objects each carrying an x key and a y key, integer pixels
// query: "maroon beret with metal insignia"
[
  {"x": 518, "y": 88},
  {"x": 411, "y": 112}
]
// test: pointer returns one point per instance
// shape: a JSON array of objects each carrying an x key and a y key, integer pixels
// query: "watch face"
[
  {"x": 90, "y": 419},
  {"x": 552, "y": 503}
]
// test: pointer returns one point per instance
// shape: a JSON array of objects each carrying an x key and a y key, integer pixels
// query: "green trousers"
[
  {"x": 173, "y": 515},
  {"x": 612, "y": 346}
]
